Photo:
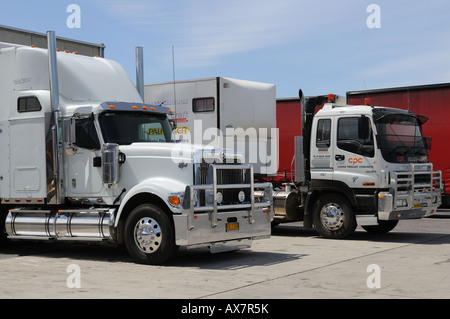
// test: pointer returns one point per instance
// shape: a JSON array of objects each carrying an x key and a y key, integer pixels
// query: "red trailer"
[
  {"x": 432, "y": 101},
  {"x": 289, "y": 125}
]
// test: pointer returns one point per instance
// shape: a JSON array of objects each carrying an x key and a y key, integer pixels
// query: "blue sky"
[{"x": 320, "y": 46}]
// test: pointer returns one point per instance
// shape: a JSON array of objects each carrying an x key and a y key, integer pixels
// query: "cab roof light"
[
  {"x": 367, "y": 101},
  {"x": 330, "y": 98},
  {"x": 126, "y": 106}
]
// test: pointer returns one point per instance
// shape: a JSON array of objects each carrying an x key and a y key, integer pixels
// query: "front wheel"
[
  {"x": 149, "y": 235},
  {"x": 334, "y": 217}
]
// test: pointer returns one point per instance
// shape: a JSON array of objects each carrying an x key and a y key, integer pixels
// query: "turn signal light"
[{"x": 174, "y": 200}]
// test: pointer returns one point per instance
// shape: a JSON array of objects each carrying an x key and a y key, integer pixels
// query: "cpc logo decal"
[{"x": 354, "y": 161}]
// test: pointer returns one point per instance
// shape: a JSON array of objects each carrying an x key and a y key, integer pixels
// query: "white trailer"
[
  {"x": 220, "y": 111},
  {"x": 79, "y": 162}
]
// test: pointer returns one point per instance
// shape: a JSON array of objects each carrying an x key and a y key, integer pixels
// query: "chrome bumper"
[
  {"x": 215, "y": 225},
  {"x": 413, "y": 194}
]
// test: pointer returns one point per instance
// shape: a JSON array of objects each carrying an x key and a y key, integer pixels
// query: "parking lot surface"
[{"x": 412, "y": 261}]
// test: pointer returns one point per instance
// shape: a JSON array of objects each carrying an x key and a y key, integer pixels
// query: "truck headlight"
[
  {"x": 219, "y": 198},
  {"x": 402, "y": 203},
  {"x": 241, "y": 196}
]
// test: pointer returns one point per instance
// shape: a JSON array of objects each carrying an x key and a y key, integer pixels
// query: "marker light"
[
  {"x": 368, "y": 184},
  {"x": 174, "y": 200}
]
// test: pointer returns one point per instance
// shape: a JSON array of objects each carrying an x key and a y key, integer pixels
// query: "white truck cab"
[
  {"x": 359, "y": 165},
  {"x": 84, "y": 159}
]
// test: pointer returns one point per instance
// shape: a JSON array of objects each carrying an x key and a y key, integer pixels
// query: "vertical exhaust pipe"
[
  {"x": 140, "y": 71},
  {"x": 54, "y": 97},
  {"x": 302, "y": 108}
]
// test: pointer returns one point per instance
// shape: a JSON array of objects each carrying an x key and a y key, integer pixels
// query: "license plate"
[
  {"x": 417, "y": 205},
  {"x": 232, "y": 226}
]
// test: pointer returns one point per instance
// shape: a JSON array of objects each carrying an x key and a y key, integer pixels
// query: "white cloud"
[
  {"x": 204, "y": 31},
  {"x": 418, "y": 63}
]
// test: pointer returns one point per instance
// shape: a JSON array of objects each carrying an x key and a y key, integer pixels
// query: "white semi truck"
[
  {"x": 357, "y": 165},
  {"x": 79, "y": 161}
]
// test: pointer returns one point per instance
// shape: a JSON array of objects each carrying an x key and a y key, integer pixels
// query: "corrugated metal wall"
[{"x": 24, "y": 37}]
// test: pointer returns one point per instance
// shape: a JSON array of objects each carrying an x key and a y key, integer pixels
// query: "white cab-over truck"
[
  {"x": 79, "y": 162},
  {"x": 358, "y": 165}
]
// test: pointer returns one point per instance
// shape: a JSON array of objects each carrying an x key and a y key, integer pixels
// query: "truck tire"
[
  {"x": 384, "y": 226},
  {"x": 334, "y": 217},
  {"x": 149, "y": 235}
]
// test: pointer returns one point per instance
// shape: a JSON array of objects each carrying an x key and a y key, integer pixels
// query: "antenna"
[{"x": 174, "y": 86}]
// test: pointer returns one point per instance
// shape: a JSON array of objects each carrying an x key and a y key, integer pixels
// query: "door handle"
[{"x": 339, "y": 157}]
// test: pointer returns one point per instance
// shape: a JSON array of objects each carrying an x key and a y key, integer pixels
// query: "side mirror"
[
  {"x": 173, "y": 124},
  {"x": 363, "y": 127},
  {"x": 70, "y": 136}
]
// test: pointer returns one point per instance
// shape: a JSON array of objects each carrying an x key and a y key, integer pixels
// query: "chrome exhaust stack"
[
  {"x": 140, "y": 71},
  {"x": 55, "y": 175}
]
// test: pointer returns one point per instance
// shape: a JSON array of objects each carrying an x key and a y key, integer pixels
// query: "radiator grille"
[{"x": 233, "y": 176}]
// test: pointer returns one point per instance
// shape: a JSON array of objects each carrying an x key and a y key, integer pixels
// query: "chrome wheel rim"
[
  {"x": 147, "y": 235},
  {"x": 332, "y": 216}
]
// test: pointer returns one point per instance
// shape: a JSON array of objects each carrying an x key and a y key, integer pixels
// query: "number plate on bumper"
[{"x": 232, "y": 226}]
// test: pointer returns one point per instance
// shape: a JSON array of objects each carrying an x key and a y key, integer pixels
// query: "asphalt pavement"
[{"x": 410, "y": 262}]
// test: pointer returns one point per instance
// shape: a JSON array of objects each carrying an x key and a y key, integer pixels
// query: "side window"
[
  {"x": 348, "y": 137},
  {"x": 28, "y": 104},
  {"x": 86, "y": 134},
  {"x": 205, "y": 104},
  {"x": 323, "y": 133}
]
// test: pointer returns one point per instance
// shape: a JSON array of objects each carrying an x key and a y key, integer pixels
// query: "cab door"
[
  {"x": 354, "y": 161},
  {"x": 322, "y": 149},
  {"x": 83, "y": 178}
]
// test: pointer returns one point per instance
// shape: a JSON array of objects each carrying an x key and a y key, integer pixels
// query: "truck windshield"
[
  {"x": 125, "y": 128},
  {"x": 400, "y": 139}
]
